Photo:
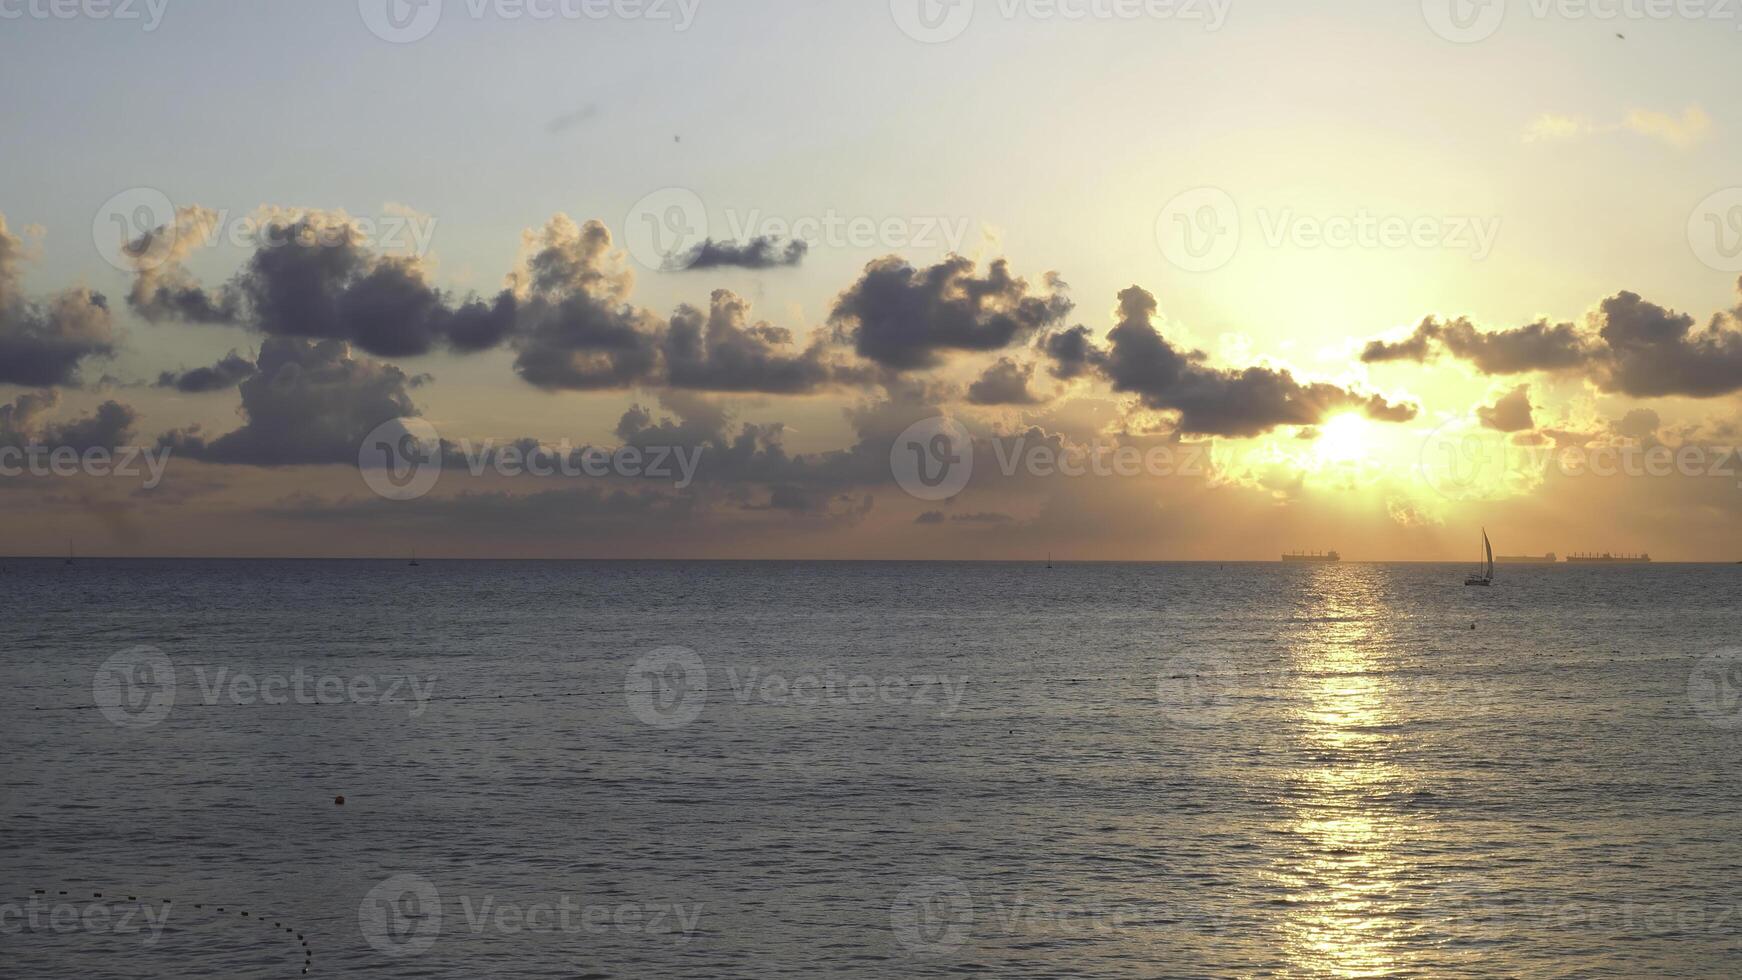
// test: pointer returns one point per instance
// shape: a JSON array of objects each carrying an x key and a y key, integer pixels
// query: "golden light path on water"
[{"x": 1344, "y": 873}]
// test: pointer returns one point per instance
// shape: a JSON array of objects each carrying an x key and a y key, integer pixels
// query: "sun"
[{"x": 1344, "y": 439}]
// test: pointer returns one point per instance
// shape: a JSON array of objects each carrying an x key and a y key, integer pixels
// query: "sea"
[{"x": 455, "y": 769}]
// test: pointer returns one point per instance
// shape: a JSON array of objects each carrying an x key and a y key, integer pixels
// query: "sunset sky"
[{"x": 1317, "y": 250}]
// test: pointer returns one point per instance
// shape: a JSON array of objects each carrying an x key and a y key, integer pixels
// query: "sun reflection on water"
[{"x": 1344, "y": 870}]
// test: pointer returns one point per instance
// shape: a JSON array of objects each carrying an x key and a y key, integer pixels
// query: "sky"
[{"x": 870, "y": 279}]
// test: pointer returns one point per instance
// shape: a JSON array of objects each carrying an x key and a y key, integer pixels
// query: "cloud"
[
  {"x": 229, "y": 372},
  {"x": 904, "y": 318},
  {"x": 1512, "y": 413},
  {"x": 311, "y": 402},
  {"x": 1072, "y": 352},
  {"x": 44, "y": 343},
  {"x": 984, "y": 517},
  {"x": 323, "y": 282},
  {"x": 577, "y": 330},
  {"x": 1628, "y": 346},
  {"x": 163, "y": 289},
  {"x": 1683, "y": 132},
  {"x": 1212, "y": 401},
  {"x": 1536, "y": 347},
  {"x": 1689, "y": 129},
  {"x": 314, "y": 276},
  {"x": 1650, "y": 351},
  {"x": 570, "y": 120},
  {"x": 764, "y": 252},
  {"x": 23, "y": 423},
  {"x": 723, "y": 351},
  {"x": 1640, "y": 423},
  {"x": 1004, "y": 383}
]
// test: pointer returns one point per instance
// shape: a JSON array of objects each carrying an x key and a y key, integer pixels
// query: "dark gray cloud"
[
  {"x": 723, "y": 351},
  {"x": 1537, "y": 347},
  {"x": 44, "y": 343},
  {"x": 1073, "y": 353},
  {"x": 570, "y": 120},
  {"x": 311, "y": 402},
  {"x": 1004, "y": 383},
  {"x": 1640, "y": 423},
  {"x": 1630, "y": 346},
  {"x": 229, "y": 372},
  {"x": 1212, "y": 401},
  {"x": 314, "y": 276},
  {"x": 324, "y": 283},
  {"x": 24, "y": 422},
  {"x": 985, "y": 517},
  {"x": 904, "y": 318},
  {"x": 163, "y": 289},
  {"x": 1512, "y": 413},
  {"x": 1650, "y": 352},
  {"x": 577, "y": 330},
  {"x": 764, "y": 252}
]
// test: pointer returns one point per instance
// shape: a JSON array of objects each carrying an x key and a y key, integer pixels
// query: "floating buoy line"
[{"x": 308, "y": 955}]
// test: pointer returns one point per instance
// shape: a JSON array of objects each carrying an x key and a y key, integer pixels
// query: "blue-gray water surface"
[{"x": 868, "y": 770}]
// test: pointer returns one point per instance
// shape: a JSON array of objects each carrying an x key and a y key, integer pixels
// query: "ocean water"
[{"x": 868, "y": 770}]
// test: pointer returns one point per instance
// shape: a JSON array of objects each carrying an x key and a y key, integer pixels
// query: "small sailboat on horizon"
[{"x": 1486, "y": 577}]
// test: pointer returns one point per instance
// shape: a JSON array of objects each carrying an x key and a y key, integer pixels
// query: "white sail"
[{"x": 1488, "y": 552}]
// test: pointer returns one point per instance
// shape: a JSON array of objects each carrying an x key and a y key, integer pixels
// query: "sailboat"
[
  {"x": 1487, "y": 576},
  {"x": 69, "y": 551}
]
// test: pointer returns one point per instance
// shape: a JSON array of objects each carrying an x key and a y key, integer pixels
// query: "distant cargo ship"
[
  {"x": 1315, "y": 556},
  {"x": 1548, "y": 559},
  {"x": 1608, "y": 559}
]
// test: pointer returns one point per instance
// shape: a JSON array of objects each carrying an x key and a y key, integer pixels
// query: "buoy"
[{"x": 340, "y": 800}]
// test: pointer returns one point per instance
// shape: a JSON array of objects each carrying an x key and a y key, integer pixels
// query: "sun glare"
[{"x": 1344, "y": 439}]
